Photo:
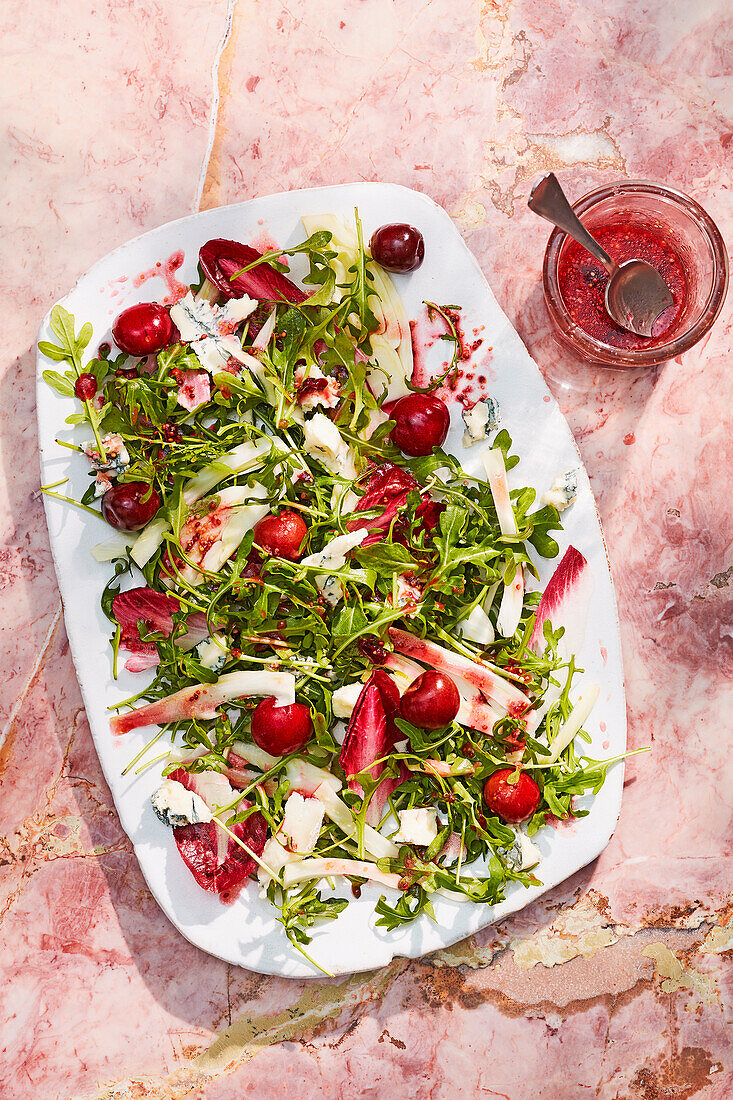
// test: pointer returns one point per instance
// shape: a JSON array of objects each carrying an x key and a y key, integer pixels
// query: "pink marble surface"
[{"x": 618, "y": 984}]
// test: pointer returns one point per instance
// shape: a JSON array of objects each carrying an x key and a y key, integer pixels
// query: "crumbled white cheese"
[
  {"x": 198, "y": 319},
  {"x": 102, "y": 482},
  {"x": 212, "y": 652},
  {"x": 115, "y": 450},
  {"x": 236, "y": 310},
  {"x": 523, "y": 852},
  {"x": 275, "y": 857},
  {"x": 322, "y": 440},
  {"x": 563, "y": 490},
  {"x": 333, "y": 554},
  {"x": 477, "y": 627},
  {"x": 208, "y": 329},
  {"x": 331, "y": 589},
  {"x": 117, "y": 460},
  {"x": 302, "y": 822},
  {"x": 417, "y": 826},
  {"x": 344, "y": 699},
  {"x": 175, "y": 805},
  {"x": 483, "y": 417},
  {"x": 214, "y": 352},
  {"x": 194, "y": 319}
]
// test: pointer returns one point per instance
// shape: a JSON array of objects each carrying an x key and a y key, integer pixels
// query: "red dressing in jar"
[{"x": 582, "y": 283}]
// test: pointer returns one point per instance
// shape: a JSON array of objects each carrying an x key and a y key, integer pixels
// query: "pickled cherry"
[
  {"x": 281, "y": 535},
  {"x": 129, "y": 505},
  {"x": 431, "y": 701},
  {"x": 85, "y": 386},
  {"x": 512, "y": 802},
  {"x": 398, "y": 247},
  {"x": 281, "y": 730},
  {"x": 144, "y": 329},
  {"x": 422, "y": 421}
]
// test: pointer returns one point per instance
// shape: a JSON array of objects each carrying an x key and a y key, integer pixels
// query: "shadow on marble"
[
  {"x": 28, "y": 590},
  {"x": 571, "y": 378}
]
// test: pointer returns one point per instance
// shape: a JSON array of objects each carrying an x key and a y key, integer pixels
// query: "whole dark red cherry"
[
  {"x": 281, "y": 730},
  {"x": 431, "y": 701},
  {"x": 129, "y": 505},
  {"x": 512, "y": 802},
  {"x": 398, "y": 247},
  {"x": 422, "y": 421},
  {"x": 85, "y": 386},
  {"x": 143, "y": 329},
  {"x": 281, "y": 535}
]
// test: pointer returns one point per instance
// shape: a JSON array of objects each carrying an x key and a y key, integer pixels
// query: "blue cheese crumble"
[
  {"x": 563, "y": 491},
  {"x": 212, "y": 652},
  {"x": 116, "y": 462},
  {"x": 482, "y": 418},
  {"x": 177, "y": 806}
]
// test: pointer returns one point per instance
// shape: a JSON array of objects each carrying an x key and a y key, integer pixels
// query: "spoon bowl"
[{"x": 636, "y": 294}]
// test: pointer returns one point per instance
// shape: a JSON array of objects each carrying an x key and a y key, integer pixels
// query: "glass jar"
[{"x": 688, "y": 230}]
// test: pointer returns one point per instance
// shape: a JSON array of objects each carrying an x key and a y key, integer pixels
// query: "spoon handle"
[{"x": 549, "y": 201}]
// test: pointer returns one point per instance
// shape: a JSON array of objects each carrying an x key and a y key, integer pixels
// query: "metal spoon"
[{"x": 636, "y": 294}]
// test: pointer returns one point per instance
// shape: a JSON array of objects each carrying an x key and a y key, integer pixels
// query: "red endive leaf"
[
  {"x": 221, "y": 259},
  {"x": 565, "y": 602},
  {"x": 371, "y": 735},
  {"x": 198, "y": 847}
]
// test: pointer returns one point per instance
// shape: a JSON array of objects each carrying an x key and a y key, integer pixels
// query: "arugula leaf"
[
  {"x": 62, "y": 324},
  {"x": 413, "y": 902},
  {"x": 59, "y": 382},
  {"x": 324, "y": 295},
  {"x": 317, "y": 241},
  {"x": 545, "y": 520},
  {"x": 386, "y": 557},
  {"x": 504, "y": 441},
  {"x": 452, "y": 522},
  {"x": 176, "y": 508},
  {"x": 300, "y": 909},
  {"x": 350, "y": 621}
]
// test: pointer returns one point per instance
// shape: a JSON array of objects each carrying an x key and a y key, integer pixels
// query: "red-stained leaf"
[
  {"x": 371, "y": 734},
  {"x": 156, "y": 611},
  {"x": 198, "y": 847},
  {"x": 565, "y": 602},
  {"x": 430, "y": 512},
  {"x": 146, "y": 657},
  {"x": 388, "y": 488},
  {"x": 220, "y": 259},
  {"x": 143, "y": 604},
  {"x": 194, "y": 389}
]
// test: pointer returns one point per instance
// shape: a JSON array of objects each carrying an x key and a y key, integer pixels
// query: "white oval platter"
[{"x": 246, "y": 933}]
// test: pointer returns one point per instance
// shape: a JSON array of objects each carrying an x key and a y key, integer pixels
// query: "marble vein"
[{"x": 215, "y": 102}]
